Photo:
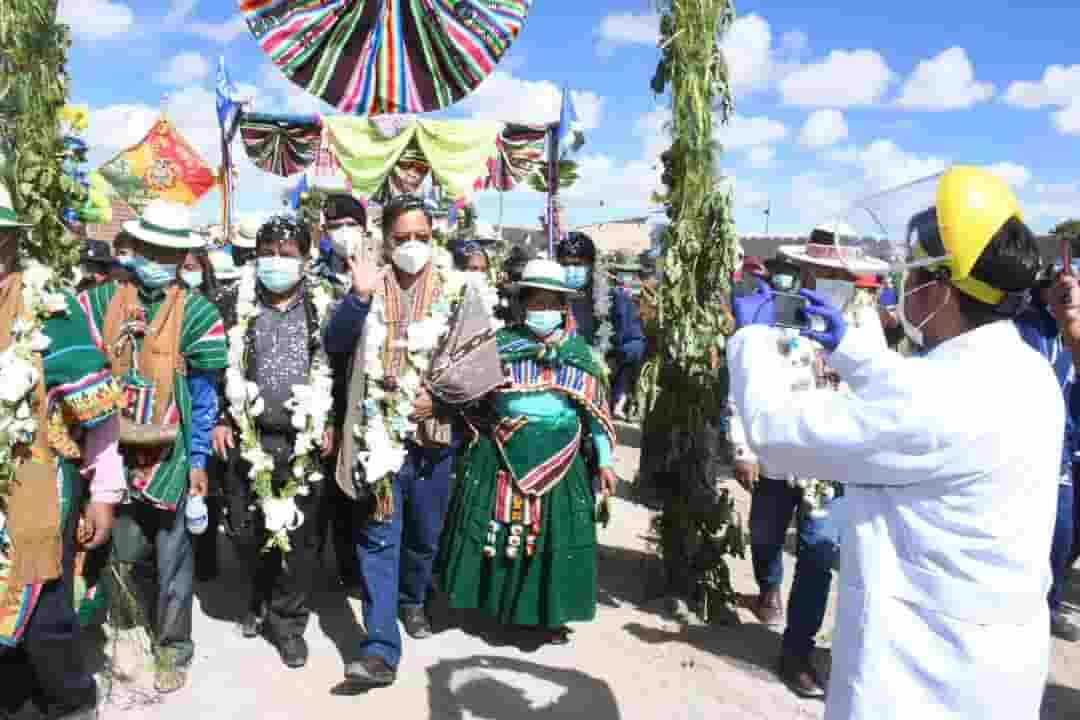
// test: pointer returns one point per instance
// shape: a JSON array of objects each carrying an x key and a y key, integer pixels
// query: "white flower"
[
  {"x": 36, "y": 276},
  {"x": 40, "y": 342},
  {"x": 257, "y": 408},
  {"x": 425, "y": 334},
  {"x": 19, "y": 377},
  {"x": 303, "y": 491},
  {"x": 441, "y": 259},
  {"x": 315, "y": 477},
  {"x": 281, "y": 514}
]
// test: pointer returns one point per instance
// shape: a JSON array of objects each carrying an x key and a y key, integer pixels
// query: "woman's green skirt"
[{"x": 554, "y": 586}]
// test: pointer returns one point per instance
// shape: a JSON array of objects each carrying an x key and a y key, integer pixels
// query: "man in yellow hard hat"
[{"x": 950, "y": 462}]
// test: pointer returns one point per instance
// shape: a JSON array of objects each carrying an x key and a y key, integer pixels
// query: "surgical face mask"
[
  {"x": 915, "y": 332},
  {"x": 411, "y": 257},
  {"x": 192, "y": 278},
  {"x": 577, "y": 276},
  {"x": 278, "y": 274},
  {"x": 152, "y": 275},
  {"x": 543, "y": 322},
  {"x": 346, "y": 240},
  {"x": 837, "y": 292}
]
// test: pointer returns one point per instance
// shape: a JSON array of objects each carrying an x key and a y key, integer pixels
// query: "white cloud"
[
  {"x": 279, "y": 94},
  {"x": 1016, "y": 175},
  {"x": 96, "y": 19},
  {"x": 605, "y": 180},
  {"x": 745, "y": 132},
  {"x": 748, "y": 50},
  {"x": 823, "y": 128},
  {"x": 1054, "y": 202},
  {"x": 1059, "y": 87},
  {"x": 761, "y": 157},
  {"x": 884, "y": 164},
  {"x": 944, "y": 82},
  {"x": 746, "y": 194},
  {"x": 222, "y": 33},
  {"x": 117, "y": 127},
  {"x": 843, "y": 79},
  {"x": 627, "y": 28},
  {"x": 818, "y": 197},
  {"x": 179, "y": 11},
  {"x": 183, "y": 69},
  {"x": 506, "y": 98},
  {"x": 652, "y": 128},
  {"x": 1067, "y": 120}
]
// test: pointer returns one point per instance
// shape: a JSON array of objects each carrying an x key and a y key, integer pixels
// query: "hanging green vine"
[
  {"x": 686, "y": 383},
  {"x": 33, "y": 92}
]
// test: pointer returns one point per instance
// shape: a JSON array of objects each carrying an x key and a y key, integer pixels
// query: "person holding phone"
[
  {"x": 781, "y": 495},
  {"x": 950, "y": 462}
]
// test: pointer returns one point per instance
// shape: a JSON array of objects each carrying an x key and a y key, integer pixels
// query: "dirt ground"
[{"x": 635, "y": 661}]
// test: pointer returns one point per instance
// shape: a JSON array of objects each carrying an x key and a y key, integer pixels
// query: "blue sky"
[{"x": 831, "y": 101}]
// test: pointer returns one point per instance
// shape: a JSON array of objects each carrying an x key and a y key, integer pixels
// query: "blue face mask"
[
  {"x": 278, "y": 274},
  {"x": 543, "y": 322},
  {"x": 192, "y": 278},
  {"x": 577, "y": 276},
  {"x": 152, "y": 275}
]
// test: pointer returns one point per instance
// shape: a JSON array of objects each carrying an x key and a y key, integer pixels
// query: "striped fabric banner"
[
  {"x": 372, "y": 57},
  {"x": 280, "y": 144}
]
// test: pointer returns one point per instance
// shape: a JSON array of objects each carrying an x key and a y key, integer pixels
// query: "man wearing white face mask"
[
  {"x": 950, "y": 462},
  {"x": 281, "y": 344},
  {"x": 388, "y": 327},
  {"x": 780, "y": 495},
  {"x": 345, "y": 222}
]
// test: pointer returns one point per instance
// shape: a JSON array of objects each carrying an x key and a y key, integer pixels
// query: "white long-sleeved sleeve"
[
  {"x": 875, "y": 435},
  {"x": 736, "y": 435}
]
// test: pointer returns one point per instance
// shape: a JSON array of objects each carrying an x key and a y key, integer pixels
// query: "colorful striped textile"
[
  {"x": 281, "y": 144},
  {"x": 370, "y": 57},
  {"x": 203, "y": 347}
]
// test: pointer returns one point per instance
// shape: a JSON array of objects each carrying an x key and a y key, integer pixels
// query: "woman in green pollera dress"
[{"x": 520, "y": 539}]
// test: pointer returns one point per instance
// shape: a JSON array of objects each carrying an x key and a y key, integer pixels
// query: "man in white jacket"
[{"x": 949, "y": 463}]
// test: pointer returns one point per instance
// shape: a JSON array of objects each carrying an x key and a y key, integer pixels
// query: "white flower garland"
[
  {"x": 20, "y": 376},
  {"x": 386, "y": 425},
  {"x": 310, "y": 403}
]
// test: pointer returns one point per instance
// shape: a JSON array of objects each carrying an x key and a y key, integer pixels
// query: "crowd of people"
[{"x": 294, "y": 390}]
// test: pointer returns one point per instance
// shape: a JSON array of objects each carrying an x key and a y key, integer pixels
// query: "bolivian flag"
[{"x": 163, "y": 165}]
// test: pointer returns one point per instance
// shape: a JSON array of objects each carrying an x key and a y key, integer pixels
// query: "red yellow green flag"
[{"x": 162, "y": 165}]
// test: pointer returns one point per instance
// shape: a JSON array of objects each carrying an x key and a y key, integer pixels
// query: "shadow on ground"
[{"x": 495, "y": 687}]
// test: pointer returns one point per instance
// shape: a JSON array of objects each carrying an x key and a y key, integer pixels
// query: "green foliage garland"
[
  {"x": 687, "y": 383},
  {"x": 33, "y": 92}
]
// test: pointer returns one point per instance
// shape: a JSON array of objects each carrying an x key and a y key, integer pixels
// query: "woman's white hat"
[
  {"x": 165, "y": 224},
  {"x": 8, "y": 218},
  {"x": 544, "y": 275},
  {"x": 835, "y": 245},
  {"x": 246, "y": 232}
]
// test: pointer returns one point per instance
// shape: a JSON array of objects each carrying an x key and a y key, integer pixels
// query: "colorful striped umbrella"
[
  {"x": 281, "y": 144},
  {"x": 371, "y": 57}
]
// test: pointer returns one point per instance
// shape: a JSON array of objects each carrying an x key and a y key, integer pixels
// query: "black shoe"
[
  {"x": 1063, "y": 628},
  {"x": 370, "y": 672},
  {"x": 251, "y": 625},
  {"x": 800, "y": 677},
  {"x": 416, "y": 623},
  {"x": 294, "y": 651}
]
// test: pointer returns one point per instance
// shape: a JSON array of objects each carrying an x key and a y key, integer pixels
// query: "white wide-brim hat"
[
  {"x": 8, "y": 218},
  {"x": 165, "y": 224},
  {"x": 246, "y": 232},
  {"x": 837, "y": 255},
  {"x": 544, "y": 275}
]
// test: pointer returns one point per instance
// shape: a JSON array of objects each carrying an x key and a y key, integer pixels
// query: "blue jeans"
[
  {"x": 1061, "y": 548},
  {"x": 396, "y": 557},
  {"x": 627, "y": 369},
  {"x": 774, "y": 505}
]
